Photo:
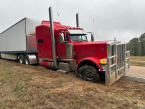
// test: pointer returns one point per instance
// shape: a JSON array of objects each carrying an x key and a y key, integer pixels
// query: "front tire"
[{"x": 89, "y": 73}]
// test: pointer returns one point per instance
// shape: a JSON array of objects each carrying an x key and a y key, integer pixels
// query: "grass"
[
  {"x": 137, "y": 61},
  {"x": 25, "y": 88},
  {"x": 138, "y": 58}
]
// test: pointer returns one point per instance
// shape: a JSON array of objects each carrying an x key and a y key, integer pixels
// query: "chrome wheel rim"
[
  {"x": 21, "y": 61},
  {"x": 26, "y": 61}
]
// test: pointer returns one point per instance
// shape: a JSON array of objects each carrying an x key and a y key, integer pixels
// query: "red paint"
[
  {"x": 90, "y": 49},
  {"x": 45, "y": 63},
  {"x": 32, "y": 42},
  {"x": 94, "y": 60},
  {"x": 83, "y": 50}
]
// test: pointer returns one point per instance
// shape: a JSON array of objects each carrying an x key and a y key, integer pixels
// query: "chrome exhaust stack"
[
  {"x": 77, "y": 19},
  {"x": 52, "y": 38}
]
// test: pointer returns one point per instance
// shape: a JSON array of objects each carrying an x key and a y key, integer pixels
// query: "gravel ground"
[{"x": 137, "y": 71}]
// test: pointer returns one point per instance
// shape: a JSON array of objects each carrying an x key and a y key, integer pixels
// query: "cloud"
[{"x": 123, "y": 19}]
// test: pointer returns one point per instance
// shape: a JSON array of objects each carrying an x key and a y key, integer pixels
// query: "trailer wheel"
[
  {"x": 89, "y": 73},
  {"x": 21, "y": 59},
  {"x": 27, "y": 61}
]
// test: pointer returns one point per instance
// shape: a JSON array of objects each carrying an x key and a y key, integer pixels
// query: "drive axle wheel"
[
  {"x": 21, "y": 59},
  {"x": 89, "y": 73},
  {"x": 27, "y": 61}
]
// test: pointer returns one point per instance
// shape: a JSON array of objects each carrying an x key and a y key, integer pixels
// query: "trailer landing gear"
[{"x": 89, "y": 73}]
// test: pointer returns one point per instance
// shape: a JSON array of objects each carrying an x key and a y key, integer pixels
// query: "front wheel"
[{"x": 89, "y": 73}]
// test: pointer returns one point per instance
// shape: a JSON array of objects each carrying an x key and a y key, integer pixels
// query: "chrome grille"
[
  {"x": 117, "y": 62},
  {"x": 121, "y": 50}
]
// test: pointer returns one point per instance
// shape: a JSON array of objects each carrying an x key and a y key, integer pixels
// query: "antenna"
[{"x": 57, "y": 12}]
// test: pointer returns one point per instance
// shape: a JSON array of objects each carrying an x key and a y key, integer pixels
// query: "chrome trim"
[
  {"x": 113, "y": 42},
  {"x": 128, "y": 58},
  {"x": 104, "y": 67},
  {"x": 77, "y": 20},
  {"x": 64, "y": 67},
  {"x": 72, "y": 63},
  {"x": 61, "y": 38},
  {"x": 69, "y": 50},
  {"x": 32, "y": 58},
  {"x": 65, "y": 59},
  {"x": 92, "y": 36},
  {"x": 118, "y": 67},
  {"x": 52, "y": 38},
  {"x": 46, "y": 59}
]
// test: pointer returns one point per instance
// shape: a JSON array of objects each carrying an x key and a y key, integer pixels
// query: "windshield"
[{"x": 78, "y": 37}]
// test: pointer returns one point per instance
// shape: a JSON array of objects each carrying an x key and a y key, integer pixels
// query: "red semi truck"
[{"x": 65, "y": 49}]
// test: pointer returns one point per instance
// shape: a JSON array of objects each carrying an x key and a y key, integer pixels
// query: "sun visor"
[{"x": 77, "y": 32}]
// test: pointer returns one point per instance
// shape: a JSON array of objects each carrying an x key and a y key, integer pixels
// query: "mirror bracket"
[{"x": 61, "y": 36}]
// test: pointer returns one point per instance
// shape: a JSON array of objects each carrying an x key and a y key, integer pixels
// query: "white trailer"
[{"x": 19, "y": 41}]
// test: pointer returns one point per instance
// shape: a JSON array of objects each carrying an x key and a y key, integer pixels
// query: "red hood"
[
  {"x": 89, "y": 43},
  {"x": 97, "y": 49}
]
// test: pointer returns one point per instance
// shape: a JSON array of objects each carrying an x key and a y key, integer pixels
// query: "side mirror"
[
  {"x": 61, "y": 37},
  {"x": 92, "y": 37}
]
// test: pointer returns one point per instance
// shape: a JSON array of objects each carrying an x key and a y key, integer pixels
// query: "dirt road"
[{"x": 137, "y": 71}]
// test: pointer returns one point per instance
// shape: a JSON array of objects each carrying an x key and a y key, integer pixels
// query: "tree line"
[{"x": 136, "y": 46}]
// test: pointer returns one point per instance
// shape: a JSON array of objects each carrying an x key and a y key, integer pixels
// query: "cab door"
[{"x": 62, "y": 47}]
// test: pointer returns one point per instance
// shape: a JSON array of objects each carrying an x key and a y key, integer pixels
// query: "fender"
[{"x": 93, "y": 59}]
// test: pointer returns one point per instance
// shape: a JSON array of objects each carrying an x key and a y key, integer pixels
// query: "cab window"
[{"x": 40, "y": 41}]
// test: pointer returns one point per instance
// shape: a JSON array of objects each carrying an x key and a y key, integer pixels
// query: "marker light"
[
  {"x": 114, "y": 58},
  {"x": 103, "y": 61}
]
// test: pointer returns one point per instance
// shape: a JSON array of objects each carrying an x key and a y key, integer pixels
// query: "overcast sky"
[{"x": 120, "y": 19}]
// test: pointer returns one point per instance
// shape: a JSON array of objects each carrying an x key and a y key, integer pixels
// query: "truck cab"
[{"x": 89, "y": 59}]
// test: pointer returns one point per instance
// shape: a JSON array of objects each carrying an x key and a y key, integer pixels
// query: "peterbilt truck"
[{"x": 64, "y": 49}]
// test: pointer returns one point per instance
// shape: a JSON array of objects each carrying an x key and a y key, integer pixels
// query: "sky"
[{"x": 108, "y": 19}]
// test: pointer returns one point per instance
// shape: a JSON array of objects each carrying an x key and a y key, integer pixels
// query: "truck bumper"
[{"x": 116, "y": 68}]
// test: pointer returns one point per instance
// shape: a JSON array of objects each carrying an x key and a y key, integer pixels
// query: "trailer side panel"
[
  {"x": 14, "y": 38},
  {"x": 20, "y": 38}
]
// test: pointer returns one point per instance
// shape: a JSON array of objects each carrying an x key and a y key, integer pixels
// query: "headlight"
[{"x": 103, "y": 61}]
